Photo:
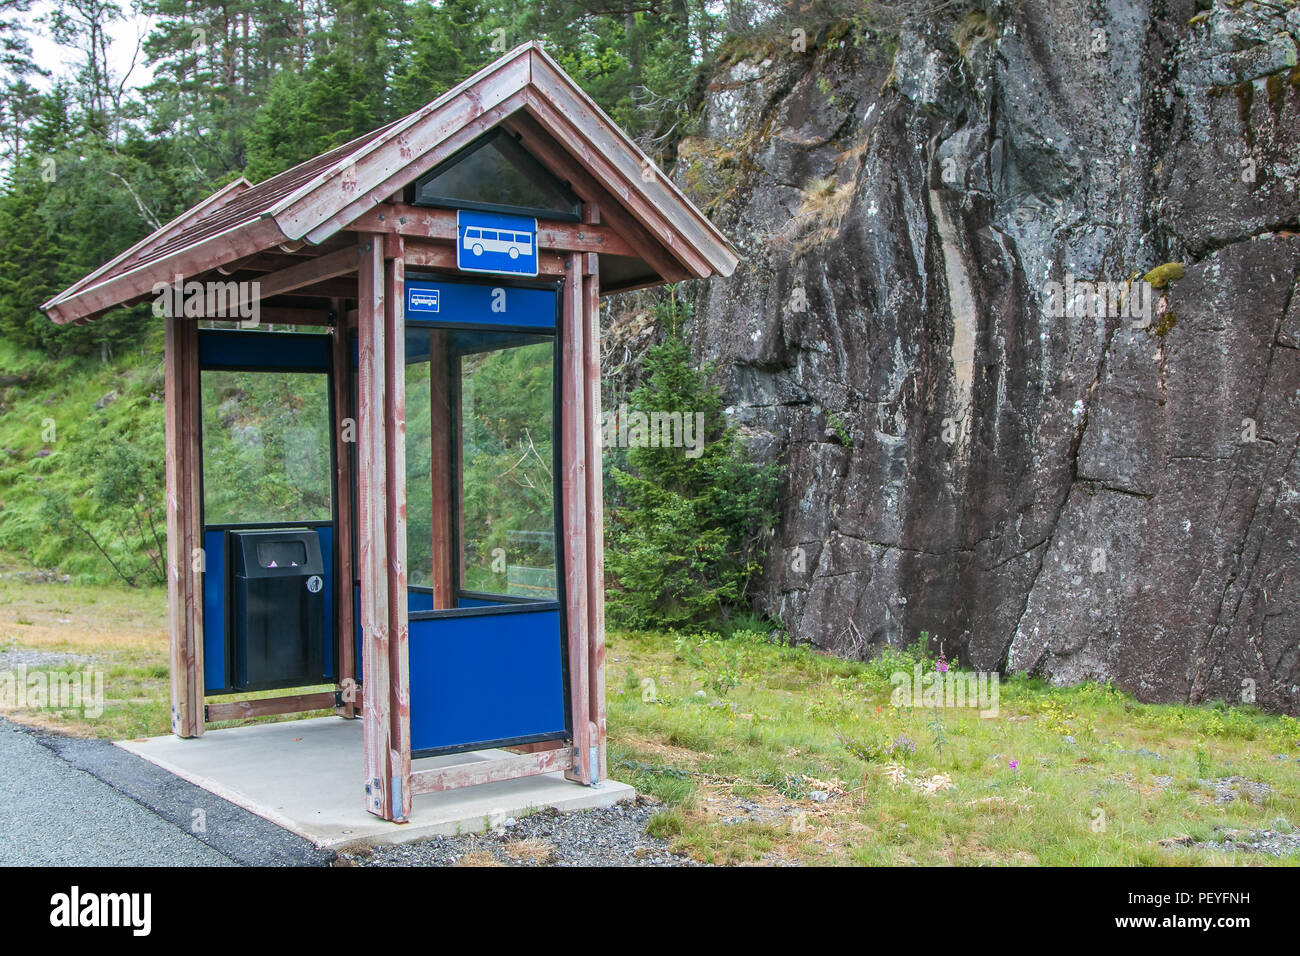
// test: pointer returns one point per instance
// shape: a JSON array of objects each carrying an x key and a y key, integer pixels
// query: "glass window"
[
  {"x": 266, "y": 447},
  {"x": 496, "y": 174},
  {"x": 480, "y": 423}
]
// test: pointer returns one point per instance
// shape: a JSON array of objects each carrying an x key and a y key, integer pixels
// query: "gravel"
[
  {"x": 12, "y": 657},
  {"x": 1228, "y": 789},
  {"x": 1270, "y": 842},
  {"x": 611, "y": 837}
]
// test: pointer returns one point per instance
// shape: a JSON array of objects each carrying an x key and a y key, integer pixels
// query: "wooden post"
[
  {"x": 399, "y": 686},
  {"x": 372, "y": 543},
  {"x": 595, "y": 503},
  {"x": 573, "y": 514},
  {"x": 345, "y": 436},
  {"x": 184, "y": 526}
]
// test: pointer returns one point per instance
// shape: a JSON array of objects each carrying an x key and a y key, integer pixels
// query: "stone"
[{"x": 1080, "y": 497}]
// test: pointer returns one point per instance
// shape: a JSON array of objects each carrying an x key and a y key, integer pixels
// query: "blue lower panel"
[
  {"x": 214, "y": 607},
  {"x": 214, "y": 610},
  {"x": 485, "y": 678}
]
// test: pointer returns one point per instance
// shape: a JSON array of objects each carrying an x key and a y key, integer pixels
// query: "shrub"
[{"x": 685, "y": 533}]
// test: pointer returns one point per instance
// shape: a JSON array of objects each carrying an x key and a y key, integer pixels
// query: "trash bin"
[{"x": 279, "y": 608}]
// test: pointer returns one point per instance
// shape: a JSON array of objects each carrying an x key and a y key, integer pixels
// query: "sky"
[{"x": 60, "y": 61}]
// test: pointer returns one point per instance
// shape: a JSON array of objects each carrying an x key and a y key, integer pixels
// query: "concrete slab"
[{"x": 306, "y": 776}]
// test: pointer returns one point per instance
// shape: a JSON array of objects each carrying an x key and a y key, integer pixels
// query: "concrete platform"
[{"x": 307, "y": 776}]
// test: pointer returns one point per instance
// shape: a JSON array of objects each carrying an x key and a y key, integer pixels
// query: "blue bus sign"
[
  {"x": 421, "y": 300},
  {"x": 491, "y": 242}
]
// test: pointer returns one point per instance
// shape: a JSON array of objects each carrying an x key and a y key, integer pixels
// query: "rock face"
[{"x": 975, "y": 445}]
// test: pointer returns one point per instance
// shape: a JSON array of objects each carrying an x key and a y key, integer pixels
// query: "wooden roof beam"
[
  {"x": 236, "y": 243},
  {"x": 329, "y": 266},
  {"x": 551, "y": 154},
  {"x": 420, "y": 222}
]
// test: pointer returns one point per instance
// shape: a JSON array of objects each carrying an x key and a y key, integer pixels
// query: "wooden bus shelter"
[{"x": 491, "y": 219}]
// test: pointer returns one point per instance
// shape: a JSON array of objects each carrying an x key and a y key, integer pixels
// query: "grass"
[
  {"x": 123, "y": 630},
  {"x": 764, "y": 753},
  {"x": 51, "y": 434}
]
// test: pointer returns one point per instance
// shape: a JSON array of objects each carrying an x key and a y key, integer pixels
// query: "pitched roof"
[{"x": 315, "y": 200}]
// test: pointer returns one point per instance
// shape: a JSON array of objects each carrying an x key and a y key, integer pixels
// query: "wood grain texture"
[
  {"x": 430, "y": 254},
  {"x": 345, "y": 526},
  {"x": 290, "y": 704},
  {"x": 479, "y": 772},
  {"x": 372, "y": 541},
  {"x": 184, "y": 530},
  {"x": 419, "y": 222},
  {"x": 399, "y": 681},
  {"x": 595, "y": 529},
  {"x": 573, "y": 517}
]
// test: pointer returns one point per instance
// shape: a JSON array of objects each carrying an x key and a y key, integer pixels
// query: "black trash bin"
[{"x": 278, "y": 624}]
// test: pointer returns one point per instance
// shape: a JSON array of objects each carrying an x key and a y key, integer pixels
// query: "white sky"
[{"x": 62, "y": 62}]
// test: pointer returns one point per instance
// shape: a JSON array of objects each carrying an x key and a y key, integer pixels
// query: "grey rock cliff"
[{"x": 1083, "y": 496}]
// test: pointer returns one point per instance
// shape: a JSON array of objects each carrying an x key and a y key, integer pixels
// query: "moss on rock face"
[
  {"x": 1161, "y": 276},
  {"x": 977, "y": 25}
]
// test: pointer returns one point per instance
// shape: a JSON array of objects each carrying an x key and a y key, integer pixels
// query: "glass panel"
[
  {"x": 419, "y": 484},
  {"x": 266, "y": 447},
  {"x": 481, "y": 403},
  {"x": 507, "y": 475},
  {"x": 498, "y": 173}
]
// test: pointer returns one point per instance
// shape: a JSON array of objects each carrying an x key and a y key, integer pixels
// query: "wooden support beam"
[
  {"x": 437, "y": 779},
  {"x": 595, "y": 504},
  {"x": 345, "y": 437},
  {"x": 399, "y": 679},
  {"x": 341, "y": 262},
  {"x": 293, "y": 704},
  {"x": 184, "y": 525},
  {"x": 372, "y": 541},
  {"x": 573, "y": 516},
  {"x": 284, "y": 315},
  {"x": 428, "y": 254},
  {"x": 418, "y": 222}
]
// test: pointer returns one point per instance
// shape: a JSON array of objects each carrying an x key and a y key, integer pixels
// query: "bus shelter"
[{"x": 383, "y": 426}]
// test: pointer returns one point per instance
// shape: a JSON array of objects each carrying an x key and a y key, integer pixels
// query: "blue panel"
[
  {"x": 356, "y": 646},
  {"x": 492, "y": 242},
  {"x": 214, "y": 607},
  {"x": 476, "y": 602},
  {"x": 292, "y": 351},
  {"x": 463, "y": 303},
  {"x": 214, "y": 611},
  {"x": 485, "y": 678},
  {"x": 419, "y": 600}
]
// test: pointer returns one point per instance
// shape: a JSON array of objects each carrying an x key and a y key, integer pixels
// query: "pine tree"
[{"x": 685, "y": 533}]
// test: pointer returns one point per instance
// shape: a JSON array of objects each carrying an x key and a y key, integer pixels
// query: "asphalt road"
[{"x": 66, "y": 801}]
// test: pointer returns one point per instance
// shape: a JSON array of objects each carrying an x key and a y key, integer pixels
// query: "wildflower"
[
  {"x": 1014, "y": 764},
  {"x": 942, "y": 664}
]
